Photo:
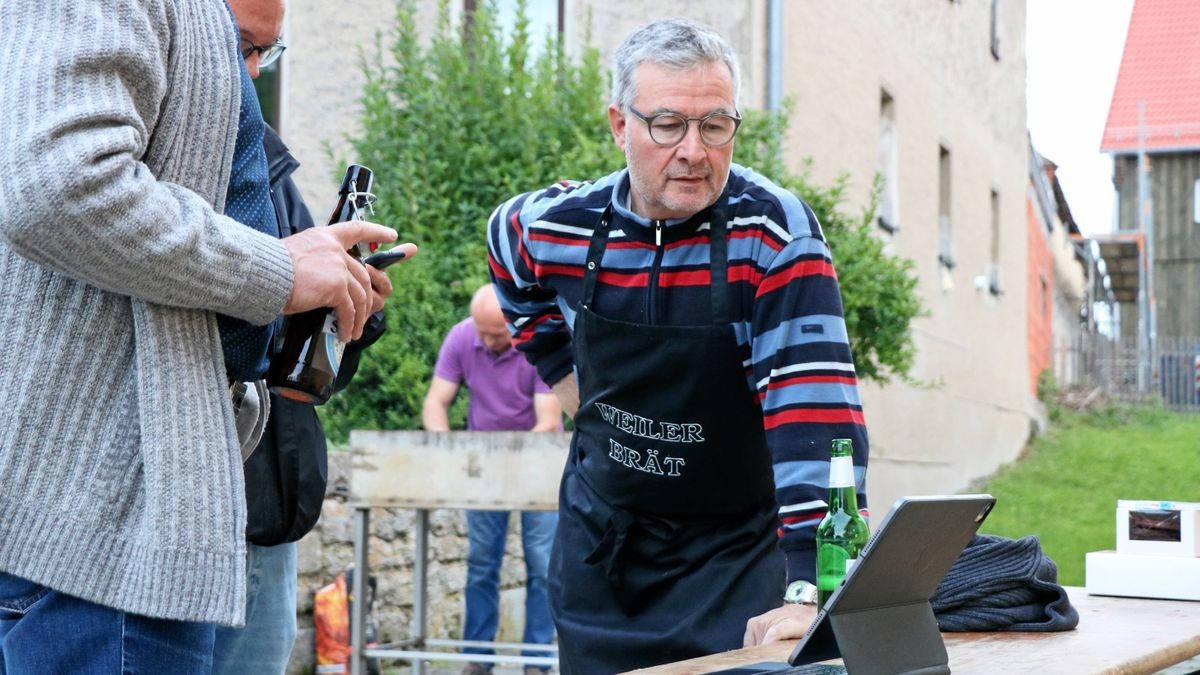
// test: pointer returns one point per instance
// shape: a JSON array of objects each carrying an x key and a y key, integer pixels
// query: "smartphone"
[{"x": 382, "y": 259}]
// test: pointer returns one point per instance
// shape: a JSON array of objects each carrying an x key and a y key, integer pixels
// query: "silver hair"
[{"x": 679, "y": 44}]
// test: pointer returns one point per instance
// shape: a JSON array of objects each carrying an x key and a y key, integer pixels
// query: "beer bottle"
[
  {"x": 843, "y": 533},
  {"x": 308, "y": 354}
]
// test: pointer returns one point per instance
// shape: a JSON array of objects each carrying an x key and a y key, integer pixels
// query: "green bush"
[{"x": 458, "y": 121}]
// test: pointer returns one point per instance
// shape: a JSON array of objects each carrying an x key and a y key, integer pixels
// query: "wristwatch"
[{"x": 801, "y": 593}]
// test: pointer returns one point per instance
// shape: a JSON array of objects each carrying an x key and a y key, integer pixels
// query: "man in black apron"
[{"x": 667, "y": 540}]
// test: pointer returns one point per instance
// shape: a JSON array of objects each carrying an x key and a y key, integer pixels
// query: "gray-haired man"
[{"x": 689, "y": 309}]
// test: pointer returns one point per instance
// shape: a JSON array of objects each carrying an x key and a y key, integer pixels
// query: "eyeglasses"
[
  {"x": 716, "y": 129},
  {"x": 267, "y": 54}
]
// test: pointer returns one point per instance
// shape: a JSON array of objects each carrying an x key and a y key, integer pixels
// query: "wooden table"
[{"x": 1115, "y": 635}]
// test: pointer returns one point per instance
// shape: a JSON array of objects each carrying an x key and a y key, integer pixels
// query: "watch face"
[{"x": 800, "y": 592}]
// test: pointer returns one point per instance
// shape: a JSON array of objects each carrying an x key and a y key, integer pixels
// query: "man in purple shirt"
[{"x": 506, "y": 395}]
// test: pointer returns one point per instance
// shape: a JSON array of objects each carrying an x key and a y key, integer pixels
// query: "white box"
[
  {"x": 1182, "y": 531},
  {"x": 1142, "y": 576}
]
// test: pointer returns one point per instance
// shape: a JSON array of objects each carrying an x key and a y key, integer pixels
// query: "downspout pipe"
[{"x": 774, "y": 55}]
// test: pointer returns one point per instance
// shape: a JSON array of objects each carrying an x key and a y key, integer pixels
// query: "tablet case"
[{"x": 879, "y": 620}]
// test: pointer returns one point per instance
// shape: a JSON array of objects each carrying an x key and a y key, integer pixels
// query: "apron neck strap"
[
  {"x": 719, "y": 261},
  {"x": 594, "y": 254}
]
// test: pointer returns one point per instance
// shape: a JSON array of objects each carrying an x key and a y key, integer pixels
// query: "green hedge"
[{"x": 458, "y": 121}]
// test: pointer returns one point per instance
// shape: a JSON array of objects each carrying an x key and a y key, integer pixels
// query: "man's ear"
[{"x": 617, "y": 123}]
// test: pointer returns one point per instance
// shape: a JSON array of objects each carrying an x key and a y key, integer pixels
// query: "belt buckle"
[{"x": 237, "y": 394}]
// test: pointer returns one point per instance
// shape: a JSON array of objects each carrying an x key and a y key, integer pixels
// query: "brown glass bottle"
[{"x": 308, "y": 355}]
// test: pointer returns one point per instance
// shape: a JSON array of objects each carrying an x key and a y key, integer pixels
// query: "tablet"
[{"x": 879, "y": 620}]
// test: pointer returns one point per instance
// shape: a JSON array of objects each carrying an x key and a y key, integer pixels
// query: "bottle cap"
[
  {"x": 358, "y": 178},
  {"x": 356, "y": 187}
]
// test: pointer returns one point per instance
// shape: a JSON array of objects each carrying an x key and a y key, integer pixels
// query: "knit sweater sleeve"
[
  {"x": 84, "y": 92},
  {"x": 805, "y": 379},
  {"x": 539, "y": 330}
]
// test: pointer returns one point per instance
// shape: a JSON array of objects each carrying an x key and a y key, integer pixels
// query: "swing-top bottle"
[{"x": 308, "y": 355}]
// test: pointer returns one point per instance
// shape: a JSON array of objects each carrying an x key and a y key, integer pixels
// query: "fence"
[{"x": 1167, "y": 371}]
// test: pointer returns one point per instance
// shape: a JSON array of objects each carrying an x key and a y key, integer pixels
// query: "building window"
[
  {"x": 993, "y": 273},
  {"x": 888, "y": 214},
  {"x": 945, "y": 233}
]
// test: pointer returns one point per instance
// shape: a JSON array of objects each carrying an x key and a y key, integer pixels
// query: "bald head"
[{"x": 489, "y": 320}]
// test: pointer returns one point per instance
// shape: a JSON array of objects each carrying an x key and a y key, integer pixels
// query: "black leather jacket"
[{"x": 286, "y": 475}]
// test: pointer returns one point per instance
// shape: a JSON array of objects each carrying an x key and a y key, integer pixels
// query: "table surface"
[{"x": 1115, "y": 635}]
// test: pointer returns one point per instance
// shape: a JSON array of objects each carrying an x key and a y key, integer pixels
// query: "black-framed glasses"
[
  {"x": 716, "y": 128},
  {"x": 267, "y": 54}
]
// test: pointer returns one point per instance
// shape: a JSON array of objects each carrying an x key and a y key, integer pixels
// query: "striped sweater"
[{"x": 786, "y": 306}]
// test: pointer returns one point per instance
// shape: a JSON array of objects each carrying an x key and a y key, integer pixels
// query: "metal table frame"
[
  {"x": 419, "y": 470},
  {"x": 416, "y": 647}
]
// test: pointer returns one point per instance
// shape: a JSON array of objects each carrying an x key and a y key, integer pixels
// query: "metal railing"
[{"x": 1166, "y": 371}]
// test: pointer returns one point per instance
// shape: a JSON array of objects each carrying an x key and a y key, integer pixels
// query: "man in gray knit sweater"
[{"x": 122, "y": 510}]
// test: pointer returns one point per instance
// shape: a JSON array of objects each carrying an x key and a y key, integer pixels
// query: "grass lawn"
[{"x": 1065, "y": 489}]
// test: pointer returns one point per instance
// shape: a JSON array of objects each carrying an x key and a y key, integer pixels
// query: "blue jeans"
[
  {"x": 44, "y": 631},
  {"x": 486, "y": 532},
  {"x": 264, "y": 645}
]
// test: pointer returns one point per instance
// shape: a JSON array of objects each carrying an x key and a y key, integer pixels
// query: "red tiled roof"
[{"x": 1160, "y": 67}]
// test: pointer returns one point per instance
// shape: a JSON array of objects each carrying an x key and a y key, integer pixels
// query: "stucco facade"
[{"x": 949, "y": 93}]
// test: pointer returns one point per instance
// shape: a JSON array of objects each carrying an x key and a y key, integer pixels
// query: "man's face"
[
  {"x": 493, "y": 333},
  {"x": 675, "y": 181},
  {"x": 260, "y": 22}
]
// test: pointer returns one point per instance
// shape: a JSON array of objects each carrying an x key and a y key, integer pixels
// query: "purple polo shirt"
[{"x": 501, "y": 385}]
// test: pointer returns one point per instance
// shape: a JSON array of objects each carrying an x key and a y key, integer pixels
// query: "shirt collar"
[
  {"x": 642, "y": 229},
  {"x": 621, "y": 206}
]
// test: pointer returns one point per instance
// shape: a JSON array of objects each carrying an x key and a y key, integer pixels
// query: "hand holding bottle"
[{"x": 327, "y": 276}]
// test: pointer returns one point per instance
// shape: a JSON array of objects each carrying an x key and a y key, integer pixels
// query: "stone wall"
[{"x": 329, "y": 548}]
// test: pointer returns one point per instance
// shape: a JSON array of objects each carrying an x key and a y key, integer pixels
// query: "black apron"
[{"x": 666, "y": 541}]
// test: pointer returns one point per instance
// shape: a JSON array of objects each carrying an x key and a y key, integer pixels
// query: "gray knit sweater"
[{"x": 120, "y": 479}]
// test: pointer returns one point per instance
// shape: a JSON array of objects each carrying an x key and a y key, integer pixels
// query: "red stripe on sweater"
[
  {"x": 811, "y": 379},
  {"x": 639, "y": 280},
  {"x": 551, "y": 238},
  {"x": 515, "y": 221},
  {"x": 558, "y": 270},
  {"x": 685, "y": 278},
  {"x": 745, "y": 272},
  {"x": 813, "y": 416},
  {"x": 751, "y": 233},
  {"x": 498, "y": 270},
  {"x": 804, "y": 268},
  {"x": 812, "y": 516},
  {"x": 526, "y": 332}
]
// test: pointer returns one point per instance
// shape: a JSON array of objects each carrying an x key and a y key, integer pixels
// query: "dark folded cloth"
[{"x": 1003, "y": 584}]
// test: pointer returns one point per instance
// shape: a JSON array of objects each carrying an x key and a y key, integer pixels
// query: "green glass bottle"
[{"x": 843, "y": 532}]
